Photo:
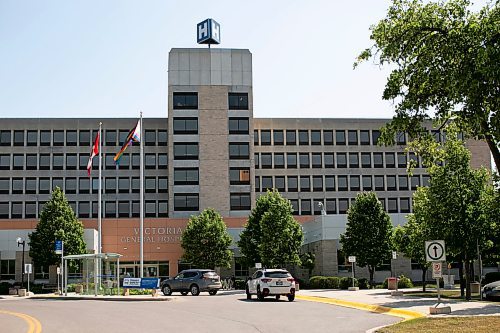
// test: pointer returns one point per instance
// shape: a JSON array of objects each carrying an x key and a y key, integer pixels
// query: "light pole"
[{"x": 20, "y": 241}]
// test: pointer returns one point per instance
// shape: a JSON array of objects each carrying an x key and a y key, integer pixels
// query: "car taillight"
[
  {"x": 266, "y": 280},
  {"x": 290, "y": 279}
]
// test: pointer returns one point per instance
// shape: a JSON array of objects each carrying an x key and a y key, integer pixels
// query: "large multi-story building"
[{"x": 209, "y": 152}]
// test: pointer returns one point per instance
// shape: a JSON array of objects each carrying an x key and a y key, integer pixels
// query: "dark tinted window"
[
  {"x": 265, "y": 137},
  {"x": 238, "y": 101},
  {"x": 188, "y": 100},
  {"x": 186, "y": 176},
  {"x": 240, "y": 201},
  {"x": 364, "y": 137},
  {"x": 150, "y": 137},
  {"x": 277, "y": 274},
  {"x": 186, "y": 202},
  {"x": 186, "y": 151},
  {"x": 291, "y": 160},
  {"x": 18, "y": 138},
  {"x": 32, "y": 137},
  {"x": 239, "y": 151},
  {"x": 84, "y": 138},
  {"x": 238, "y": 125},
  {"x": 353, "y": 137},
  {"x": 71, "y": 138},
  {"x": 5, "y": 138},
  {"x": 316, "y": 137},
  {"x": 328, "y": 137},
  {"x": 291, "y": 137},
  {"x": 278, "y": 137},
  {"x": 185, "y": 125},
  {"x": 58, "y": 138},
  {"x": 303, "y": 137},
  {"x": 340, "y": 137},
  {"x": 44, "y": 138},
  {"x": 239, "y": 176}
]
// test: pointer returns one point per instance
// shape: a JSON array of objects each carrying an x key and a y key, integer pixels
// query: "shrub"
[
  {"x": 404, "y": 282},
  {"x": 491, "y": 277},
  {"x": 346, "y": 282},
  {"x": 324, "y": 282},
  {"x": 363, "y": 283},
  {"x": 303, "y": 284},
  {"x": 37, "y": 288},
  {"x": 4, "y": 288}
]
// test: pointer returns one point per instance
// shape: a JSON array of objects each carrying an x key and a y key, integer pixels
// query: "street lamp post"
[{"x": 22, "y": 242}]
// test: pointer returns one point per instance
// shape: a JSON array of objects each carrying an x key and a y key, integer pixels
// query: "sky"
[{"x": 94, "y": 58}]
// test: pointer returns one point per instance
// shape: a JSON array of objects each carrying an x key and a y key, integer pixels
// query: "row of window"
[
  {"x": 332, "y": 160},
  {"x": 72, "y": 161},
  {"x": 341, "y": 205},
  {"x": 110, "y": 137},
  {"x": 189, "y": 101},
  {"x": 331, "y": 183},
  {"x": 82, "y": 185},
  {"x": 318, "y": 137},
  {"x": 189, "y": 125},
  {"x": 87, "y": 209}
]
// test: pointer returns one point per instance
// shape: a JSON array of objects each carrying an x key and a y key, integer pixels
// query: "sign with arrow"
[{"x": 435, "y": 250}]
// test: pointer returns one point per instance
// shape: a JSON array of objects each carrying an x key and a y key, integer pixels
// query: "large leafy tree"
[
  {"x": 457, "y": 205},
  {"x": 444, "y": 60},
  {"x": 368, "y": 232},
  {"x": 57, "y": 222},
  {"x": 206, "y": 241},
  {"x": 271, "y": 236}
]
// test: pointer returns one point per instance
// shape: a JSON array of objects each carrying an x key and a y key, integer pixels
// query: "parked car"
[
  {"x": 492, "y": 290},
  {"x": 271, "y": 282},
  {"x": 194, "y": 281}
]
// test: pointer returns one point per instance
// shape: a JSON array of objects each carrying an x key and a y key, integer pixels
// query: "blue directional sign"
[
  {"x": 208, "y": 32},
  {"x": 58, "y": 247},
  {"x": 142, "y": 283}
]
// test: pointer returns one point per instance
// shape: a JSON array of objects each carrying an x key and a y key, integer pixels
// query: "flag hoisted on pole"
[
  {"x": 95, "y": 150},
  {"x": 135, "y": 135}
]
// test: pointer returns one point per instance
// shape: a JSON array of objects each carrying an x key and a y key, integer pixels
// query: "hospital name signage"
[{"x": 155, "y": 235}]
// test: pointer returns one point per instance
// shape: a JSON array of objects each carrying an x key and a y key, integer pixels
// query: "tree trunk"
[
  {"x": 467, "y": 279},
  {"x": 491, "y": 144},
  {"x": 371, "y": 269},
  {"x": 424, "y": 277},
  {"x": 461, "y": 276}
]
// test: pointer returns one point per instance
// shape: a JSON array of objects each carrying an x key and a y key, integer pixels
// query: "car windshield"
[{"x": 277, "y": 274}]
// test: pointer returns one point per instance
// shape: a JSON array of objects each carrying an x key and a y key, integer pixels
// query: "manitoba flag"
[{"x": 93, "y": 153}]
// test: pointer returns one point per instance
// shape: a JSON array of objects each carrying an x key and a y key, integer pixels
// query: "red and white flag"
[{"x": 93, "y": 153}]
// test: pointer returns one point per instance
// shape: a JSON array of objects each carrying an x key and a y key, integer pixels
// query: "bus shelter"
[{"x": 92, "y": 265}]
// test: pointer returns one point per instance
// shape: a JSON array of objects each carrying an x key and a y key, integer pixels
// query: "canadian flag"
[{"x": 93, "y": 153}]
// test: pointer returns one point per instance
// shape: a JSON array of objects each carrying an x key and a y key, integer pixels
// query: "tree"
[
  {"x": 445, "y": 65},
  {"x": 368, "y": 232},
  {"x": 57, "y": 222},
  {"x": 206, "y": 241},
  {"x": 457, "y": 205},
  {"x": 271, "y": 236},
  {"x": 409, "y": 240},
  {"x": 308, "y": 261}
]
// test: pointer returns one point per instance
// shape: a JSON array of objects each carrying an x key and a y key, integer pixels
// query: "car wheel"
[
  {"x": 184, "y": 293},
  {"x": 166, "y": 290},
  {"x": 291, "y": 297},
  {"x": 212, "y": 292},
  {"x": 249, "y": 296},
  {"x": 195, "y": 290},
  {"x": 277, "y": 297},
  {"x": 260, "y": 296}
]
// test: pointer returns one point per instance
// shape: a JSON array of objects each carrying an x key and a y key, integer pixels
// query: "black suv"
[{"x": 194, "y": 281}]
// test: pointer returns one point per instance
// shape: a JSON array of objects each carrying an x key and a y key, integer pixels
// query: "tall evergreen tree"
[
  {"x": 57, "y": 222},
  {"x": 368, "y": 232},
  {"x": 206, "y": 241},
  {"x": 271, "y": 236}
]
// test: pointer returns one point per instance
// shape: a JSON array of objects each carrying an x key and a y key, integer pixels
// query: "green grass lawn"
[{"x": 486, "y": 324}]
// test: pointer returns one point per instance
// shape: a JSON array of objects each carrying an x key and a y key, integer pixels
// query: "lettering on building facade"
[{"x": 155, "y": 235}]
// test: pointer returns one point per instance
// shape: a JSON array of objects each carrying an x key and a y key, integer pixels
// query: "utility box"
[
  {"x": 475, "y": 287},
  {"x": 392, "y": 283}
]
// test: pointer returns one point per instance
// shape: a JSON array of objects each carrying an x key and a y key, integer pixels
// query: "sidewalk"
[
  {"x": 74, "y": 296},
  {"x": 383, "y": 298}
]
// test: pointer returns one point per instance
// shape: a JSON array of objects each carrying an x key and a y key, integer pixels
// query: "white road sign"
[
  {"x": 352, "y": 258},
  {"x": 394, "y": 255},
  {"x": 437, "y": 270},
  {"x": 435, "y": 250},
  {"x": 27, "y": 269},
  {"x": 258, "y": 265}
]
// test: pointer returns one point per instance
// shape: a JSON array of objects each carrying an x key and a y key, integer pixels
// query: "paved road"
[{"x": 226, "y": 312}]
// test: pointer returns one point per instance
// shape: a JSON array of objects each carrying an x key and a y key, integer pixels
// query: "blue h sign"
[
  {"x": 58, "y": 247},
  {"x": 208, "y": 32}
]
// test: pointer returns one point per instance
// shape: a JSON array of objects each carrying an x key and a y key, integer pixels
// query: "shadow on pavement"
[{"x": 486, "y": 310}]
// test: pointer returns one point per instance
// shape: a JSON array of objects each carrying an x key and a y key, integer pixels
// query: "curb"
[
  {"x": 401, "y": 313},
  {"x": 94, "y": 298}
]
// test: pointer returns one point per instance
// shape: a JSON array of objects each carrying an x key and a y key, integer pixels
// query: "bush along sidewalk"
[
  {"x": 403, "y": 282},
  {"x": 335, "y": 282}
]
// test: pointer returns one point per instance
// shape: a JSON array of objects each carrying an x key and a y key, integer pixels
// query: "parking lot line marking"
[
  {"x": 34, "y": 326},
  {"x": 401, "y": 313}
]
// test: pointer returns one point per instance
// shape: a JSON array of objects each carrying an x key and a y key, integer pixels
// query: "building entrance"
[{"x": 156, "y": 269}]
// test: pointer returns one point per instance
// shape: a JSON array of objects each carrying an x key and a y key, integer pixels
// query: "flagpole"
[
  {"x": 99, "y": 207},
  {"x": 142, "y": 199}
]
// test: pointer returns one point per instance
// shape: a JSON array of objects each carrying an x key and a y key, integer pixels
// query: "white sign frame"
[
  {"x": 258, "y": 265},
  {"x": 352, "y": 258},
  {"x": 28, "y": 269},
  {"x": 435, "y": 250}
]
